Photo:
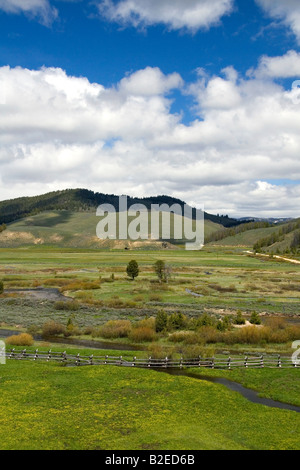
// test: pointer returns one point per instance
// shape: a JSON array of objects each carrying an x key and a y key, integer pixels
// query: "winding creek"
[
  {"x": 54, "y": 294},
  {"x": 247, "y": 393}
]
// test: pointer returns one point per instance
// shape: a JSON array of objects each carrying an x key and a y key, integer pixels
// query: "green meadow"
[
  {"x": 48, "y": 406},
  {"x": 213, "y": 280}
]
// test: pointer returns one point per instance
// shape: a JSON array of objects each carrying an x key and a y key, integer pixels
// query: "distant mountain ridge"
[
  {"x": 271, "y": 220},
  {"x": 80, "y": 200}
]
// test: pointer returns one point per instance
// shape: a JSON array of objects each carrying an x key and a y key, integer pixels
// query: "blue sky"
[
  {"x": 83, "y": 43},
  {"x": 190, "y": 98}
]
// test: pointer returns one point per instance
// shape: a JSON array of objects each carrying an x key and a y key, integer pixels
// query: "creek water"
[
  {"x": 54, "y": 294},
  {"x": 93, "y": 344},
  {"x": 247, "y": 393}
]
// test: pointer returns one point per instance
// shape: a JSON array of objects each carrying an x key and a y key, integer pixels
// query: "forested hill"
[{"x": 83, "y": 200}]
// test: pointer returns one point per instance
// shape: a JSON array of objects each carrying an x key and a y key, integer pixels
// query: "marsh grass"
[{"x": 227, "y": 280}]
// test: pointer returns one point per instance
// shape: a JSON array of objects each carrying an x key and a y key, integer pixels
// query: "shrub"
[
  {"x": 149, "y": 322},
  {"x": 293, "y": 332},
  {"x": 53, "y": 328},
  {"x": 254, "y": 319},
  {"x": 246, "y": 335},
  {"x": 69, "y": 305},
  {"x": 180, "y": 336},
  {"x": 23, "y": 339},
  {"x": 142, "y": 333},
  {"x": 81, "y": 285},
  {"x": 219, "y": 288},
  {"x": 88, "y": 330},
  {"x": 139, "y": 298},
  {"x": 239, "y": 319},
  {"x": 198, "y": 350},
  {"x": 71, "y": 284},
  {"x": 33, "y": 329},
  {"x": 157, "y": 351},
  {"x": 71, "y": 328},
  {"x": 276, "y": 323},
  {"x": 209, "y": 334},
  {"x": 115, "y": 329},
  {"x": 161, "y": 321},
  {"x": 205, "y": 320},
  {"x": 115, "y": 303},
  {"x": 155, "y": 298},
  {"x": 176, "y": 321},
  {"x": 95, "y": 332}
]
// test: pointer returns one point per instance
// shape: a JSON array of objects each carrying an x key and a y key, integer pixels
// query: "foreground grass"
[{"x": 47, "y": 406}]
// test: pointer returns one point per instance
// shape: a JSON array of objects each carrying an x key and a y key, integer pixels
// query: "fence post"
[
  {"x": 106, "y": 357},
  {"x": 166, "y": 361},
  {"x": 64, "y": 356},
  {"x": 149, "y": 361},
  {"x": 24, "y": 353},
  {"x": 199, "y": 361},
  {"x": 36, "y": 355},
  {"x": 246, "y": 362},
  {"x": 49, "y": 355},
  {"x": 180, "y": 364},
  {"x": 77, "y": 359},
  {"x": 133, "y": 362},
  {"x": 12, "y": 354},
  {"x": 279, "y": 361},
  {"x": 262, "y": 361},
  {"x": 213, "y": 362},
  {"x": 91, "y": 360},
  {"x": 229, "y": 363}
]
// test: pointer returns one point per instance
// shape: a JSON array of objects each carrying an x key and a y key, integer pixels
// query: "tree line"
[
  {"x": 232, "y": 231},
  {"x": 280, "y": 235},
  {"x": 84, "y": 200}
]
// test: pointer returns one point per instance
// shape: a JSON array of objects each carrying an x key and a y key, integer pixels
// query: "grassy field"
[
  {"x": 224, "y": 280},
  {"x": 47, "y": 406}
]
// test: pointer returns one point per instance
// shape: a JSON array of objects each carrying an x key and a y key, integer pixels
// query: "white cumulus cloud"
[
  {"x": 59, "y": 131},
  {"x": 40, "y": 9},
  {"x": 176, "y": 14},
  {"x": 287, "y": 11},
  {"x": 286, "y": 66}
]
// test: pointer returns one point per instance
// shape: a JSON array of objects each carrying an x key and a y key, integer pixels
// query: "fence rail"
[{"x": 216, "y": 362}]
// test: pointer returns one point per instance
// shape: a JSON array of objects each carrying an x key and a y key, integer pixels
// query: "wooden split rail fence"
[{"x": 220, "y": 362}]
